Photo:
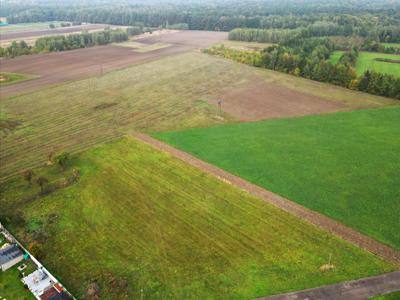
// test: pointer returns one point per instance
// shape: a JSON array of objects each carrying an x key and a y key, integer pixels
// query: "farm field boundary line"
[
  {"x": 350, "y": 290},
  {"x": 312, "y": 217}
]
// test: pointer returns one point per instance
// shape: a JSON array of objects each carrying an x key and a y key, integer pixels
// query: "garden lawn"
[
  {"x": 11, "y": 286},
  {"x": 142, "y": 223},
  {"x": 344, "y": 165},
  {"x": 366, "y": 61}
]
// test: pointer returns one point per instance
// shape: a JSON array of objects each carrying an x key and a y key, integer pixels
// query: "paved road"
[
  {"x": 351, "y": 290},
  {"x": 313, "y": 217}
]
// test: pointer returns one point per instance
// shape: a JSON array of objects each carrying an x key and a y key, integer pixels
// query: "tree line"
[
  {"x": 389, "y": 34},
  {"x": 69, "y": 42},
  {"x": 217, "y": 15},
  {"x": 310, "y": 59}
]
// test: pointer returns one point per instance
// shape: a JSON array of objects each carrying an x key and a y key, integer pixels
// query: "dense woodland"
[
  {"x": 308, "y": 58},
  {"x": 348, "y": 16}
]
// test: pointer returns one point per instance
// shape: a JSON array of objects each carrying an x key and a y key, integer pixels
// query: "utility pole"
[{"x": 220, "y": 106}]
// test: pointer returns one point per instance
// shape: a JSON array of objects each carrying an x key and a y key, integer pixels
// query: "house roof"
[
  {"x": 9, "y": 253},
  {"x": 38, "y": 282},
  {"x": 53, "y": 294}
]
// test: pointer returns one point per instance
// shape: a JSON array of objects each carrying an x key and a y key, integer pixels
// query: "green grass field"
[
  {"x": 344, "y": 165},
  {"x": 366, "y": 61},
  {"x": 11, "y": 286},
  {"x": 166, "y": 94},
  {"x": 144, "y": 224},
  {"x": 335, "y": 57},
  {"x": 241, "y": 45},
  {"x": 28, "y": 26},
  {"x": 11, "y": 78},
  {"x": 392, "y": 296},
  {"x": 391, "y": 45}
]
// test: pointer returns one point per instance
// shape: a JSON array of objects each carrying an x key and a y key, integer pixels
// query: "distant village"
[{"x": 33, "y": 275}]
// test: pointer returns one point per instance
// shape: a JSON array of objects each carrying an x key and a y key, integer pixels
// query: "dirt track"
[
  {"x": 259, "y": 100},
  {"x": 351, "y": 290},
  {"x": 57, "y": 67},
  {"x": 313, "y": 217}
]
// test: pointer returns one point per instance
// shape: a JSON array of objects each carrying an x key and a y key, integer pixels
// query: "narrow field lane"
[
  {"x": 313, "y": 217},
  {"x": 352, "y": 290}
]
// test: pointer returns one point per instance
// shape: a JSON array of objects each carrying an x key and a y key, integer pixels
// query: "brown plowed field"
[
  {"x": 17, "y": 35},
  {"x": 260, "y": 100},
  {"x": 77, "y": 64}
]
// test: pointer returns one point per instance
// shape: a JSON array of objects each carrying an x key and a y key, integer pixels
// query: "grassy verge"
[
  {"x": 344, "y": 165},
  {"x": 11, "y": 78},
  {"x": 141, "y": 223},
  {"x": 392, "y": 296},
  {"x": 366, "y": 61}
]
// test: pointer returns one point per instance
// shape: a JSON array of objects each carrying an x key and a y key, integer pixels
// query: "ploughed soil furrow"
[{"x": 57, "y": 67}]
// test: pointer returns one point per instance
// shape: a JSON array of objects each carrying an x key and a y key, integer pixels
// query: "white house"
[
  {"x": 38, "y": 282},
  {"x": 10, "y": 256}
]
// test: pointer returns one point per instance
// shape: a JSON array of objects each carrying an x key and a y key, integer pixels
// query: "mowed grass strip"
[
  {"x": 168, "y": 230},
  {"x": 344, "y": 165},
  {"x": 367, "y": 61}
]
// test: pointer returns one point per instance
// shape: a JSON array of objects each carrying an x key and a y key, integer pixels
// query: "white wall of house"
[{"x": 11, "y": 263}]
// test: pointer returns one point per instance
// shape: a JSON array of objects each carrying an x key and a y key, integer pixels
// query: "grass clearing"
[
  {"x": 7, "y": 78},
  {"x": 335, "y": 57},
  {"x": 391, "y": 45},
  {"x": 132, "y": 219},
  {"x": 366, "y": 61},
  {"x": 166, "y": 94},
  {"x": 344, "y": 165},
  {"x": 241, "y": 45},
  {"x": 142, "y": 47},
  {"x": 29, "y": 26}
]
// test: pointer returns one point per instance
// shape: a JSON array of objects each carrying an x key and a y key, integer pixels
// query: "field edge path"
[
  {"x": 350, "y": 290},
  {"x": 323, "y": 222}
]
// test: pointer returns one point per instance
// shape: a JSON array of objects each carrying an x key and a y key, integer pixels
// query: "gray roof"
[{"x": 9, "y": 253}]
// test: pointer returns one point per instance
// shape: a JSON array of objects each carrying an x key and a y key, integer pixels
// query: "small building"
[
  {"x": 38, "y": 282},
  {"x": 10, "y": 256},
  {"x": 3, "y": 22}
]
